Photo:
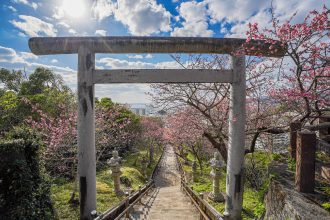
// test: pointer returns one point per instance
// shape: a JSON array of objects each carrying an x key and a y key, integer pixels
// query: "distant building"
[{"x": 139, "y": 111}]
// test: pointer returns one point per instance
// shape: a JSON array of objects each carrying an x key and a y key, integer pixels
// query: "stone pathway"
[{"x": 166, "y": 201}]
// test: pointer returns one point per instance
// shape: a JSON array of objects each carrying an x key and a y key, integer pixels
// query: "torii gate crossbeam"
[{"x": 86, "y": 47}]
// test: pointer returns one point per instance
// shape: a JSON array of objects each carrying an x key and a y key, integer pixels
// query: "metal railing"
[
  {"x": 206, "y": 211},
  {"x": 123, "y": 207}
]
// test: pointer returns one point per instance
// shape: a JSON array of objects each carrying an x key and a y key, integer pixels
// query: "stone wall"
[{"x": 282, "y": 201}]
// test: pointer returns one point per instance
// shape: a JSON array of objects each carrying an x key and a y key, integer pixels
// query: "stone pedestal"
[
  {"x": 194, "y": 170},
  {"x": 217, "y": 164},
  {"x": 115, "y": 172},
  {"x": 144, "y": 162}
]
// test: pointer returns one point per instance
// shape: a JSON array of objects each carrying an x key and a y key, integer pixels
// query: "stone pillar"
[
  {"x": 236, "y": 140},
  {"x": 294, "y": 126},
  {"x": 144, "y": 162},
  {"x": 194, "y": 172},
  {"x": 86, "y": 133},
  {"x": 115, "y": 172},
  {"x": 305, "y": 169},
  {"x": 217, "y": 164}
]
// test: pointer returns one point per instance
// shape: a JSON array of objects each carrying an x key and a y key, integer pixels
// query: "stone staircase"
[{"x": 166, "y": 201}]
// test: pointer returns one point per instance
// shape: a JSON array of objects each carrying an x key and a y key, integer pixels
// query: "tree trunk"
[
  {"x": 221, "y": 147},
  {"x": 72, "y": 200},
  {"x": 196, "y": 155},
  {"x": 151, "y": 155}
]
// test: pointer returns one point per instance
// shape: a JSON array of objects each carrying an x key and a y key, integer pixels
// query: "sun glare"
[{"x": 74, "y": 8}]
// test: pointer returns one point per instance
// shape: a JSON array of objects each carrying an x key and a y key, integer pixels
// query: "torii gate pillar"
[
  {"x": 236, "y": 142},
  {"x": 86, "y": 132}
]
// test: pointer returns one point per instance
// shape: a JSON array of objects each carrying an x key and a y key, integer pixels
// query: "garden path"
[{"x": 166, "y": 201}]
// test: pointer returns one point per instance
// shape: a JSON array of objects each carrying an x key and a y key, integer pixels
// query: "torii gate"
[{"x": 88, "y": 76}]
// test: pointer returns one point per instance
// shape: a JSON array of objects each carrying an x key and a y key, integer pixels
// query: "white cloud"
[
  {"x": 193, "y": 11},
  {"x": 9, "y": 59},
  {"x": 9, "y": 55},
  {"x": 135, "y": 56},
  {"x": 12, "y": 8},
  {"x": 26, "y": 55},
  {"x": 149, "y": 56},
  {"x": 142, "y": 17},
  {"x": 193, "y": 29},
  {"x": 58, "y": 12},
  {"x": 239, "y": 13},
  {"x": 168, "y": 65},
  {"x": 123, "y": 93},
  {"x": 71, "y": 31},
  {"x": 101, "y": 32},
  {"x": 54, "y": 61},
  {"x": 33, "y": 5},
  {"x": 22, "y": 34},
  {"x": 32, "y": 26},
  {"x": 195, "y": 16},
  {"x": 124, "y": 64},
  {"x": 103, "y": 8},
  {"x": 63, "y": 23}
]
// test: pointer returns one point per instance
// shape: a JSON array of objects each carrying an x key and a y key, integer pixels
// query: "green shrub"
[
  {"x": 292, "y": 165},
  {"x": 326, "y": 206},
  {"x": 275, "y": 175},
  {"x": 275, "y": 156},
  {"x": 259, "y": 210},
  {"x": 25, "y": 187}
]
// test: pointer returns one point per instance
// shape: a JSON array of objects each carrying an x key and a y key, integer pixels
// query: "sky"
[{"x": 23, "y": 19}]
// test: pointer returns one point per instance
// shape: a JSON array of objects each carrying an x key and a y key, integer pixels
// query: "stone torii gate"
[{"x": 88, "y": 76}]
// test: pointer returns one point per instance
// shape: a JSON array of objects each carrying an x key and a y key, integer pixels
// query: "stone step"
[{"x": 167, "y": 200}]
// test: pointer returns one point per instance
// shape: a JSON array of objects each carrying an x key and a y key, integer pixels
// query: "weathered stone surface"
[
  {"x": 323, "y": 169},
  {"x": 282, "y": 201},
  {"x": 136, "y": 44}
]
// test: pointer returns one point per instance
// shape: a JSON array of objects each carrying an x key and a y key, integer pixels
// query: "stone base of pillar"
[
  {"x": 216, "y": 197},
  {"x": 194, "y": 176},
  {"x": 120, "y": 192}
]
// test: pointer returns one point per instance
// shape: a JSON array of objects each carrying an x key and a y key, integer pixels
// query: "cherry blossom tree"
[
  {"x": 184, "y": 131},
  {"x": 305, "y": 87},
  {"x": 60, "y": 137},
  {"x": 151, "y": 135},
  {"x": 210, "y": 102}
]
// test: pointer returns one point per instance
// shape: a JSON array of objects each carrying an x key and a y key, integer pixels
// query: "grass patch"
[
  {"x": 252, "y": 206},
  {"x": 106, "y": 198}
]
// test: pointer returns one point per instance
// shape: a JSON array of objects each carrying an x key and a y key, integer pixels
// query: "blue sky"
[{"x": 22, "y": 19}]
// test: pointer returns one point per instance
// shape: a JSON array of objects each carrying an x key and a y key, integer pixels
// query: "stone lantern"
[
  {"x": 115, "y": 172},
  {"x": 194, "y": 170},
  {"x": 217, "y": 164},
  {"x": 144, "y": 162}
]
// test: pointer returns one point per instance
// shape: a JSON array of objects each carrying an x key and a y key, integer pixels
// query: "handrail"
[
  {"x": 133, "y": 198},
  {"x": 181, "y": 170},
  {"x": 197, "y": 206},
  {"x": 205, "y": 209},
  {"x": 211, "y": 213},
  {"x": 131, "y": 205}
]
